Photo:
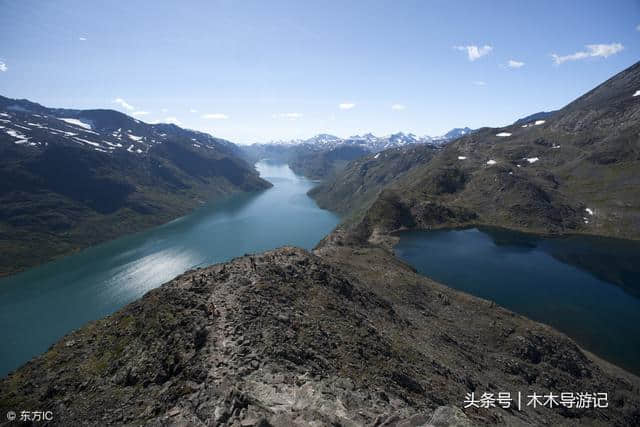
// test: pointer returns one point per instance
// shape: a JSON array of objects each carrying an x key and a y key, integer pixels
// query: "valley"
[
  {"x": 323, "y": 156},
  {"x": 39, "y": 306},
  {"x": 340, "y": 330},
  {"x": 70, "y": 179}
]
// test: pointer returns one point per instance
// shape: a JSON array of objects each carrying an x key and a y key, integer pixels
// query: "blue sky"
[{"x": 260, "y": 70}]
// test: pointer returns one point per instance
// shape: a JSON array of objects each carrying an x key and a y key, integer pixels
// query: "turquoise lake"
[
  {"x": 41, "y": 305},
  {"x": 586, "y": 287}
]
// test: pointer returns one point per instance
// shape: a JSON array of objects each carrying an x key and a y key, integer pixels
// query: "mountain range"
[
  {"x": 73, "y": 178},
  {"x": 347, "y": 334},
  {"x": 324, "y": 155},
  {"x": 372, "y": 142},
  {"x": 571, "y": 171}
]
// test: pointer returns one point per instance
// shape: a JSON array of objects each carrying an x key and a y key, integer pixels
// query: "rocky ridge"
[{"x": 341, "y": 336}]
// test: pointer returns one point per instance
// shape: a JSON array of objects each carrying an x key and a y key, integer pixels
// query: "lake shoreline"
[
  {"x": 523, "y": 230},
  {"x": 147, "y": 226},
  {"x": 56, "y": 297},
  {"x": 608, "y": 284}
]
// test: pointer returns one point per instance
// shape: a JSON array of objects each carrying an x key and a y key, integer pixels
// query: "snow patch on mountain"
[
  {"x": 21, "y": 139},
  {"x": 76, "y": 122},
  {"x": 86, "y": 141},
  {"x": 372, "y": 142}
]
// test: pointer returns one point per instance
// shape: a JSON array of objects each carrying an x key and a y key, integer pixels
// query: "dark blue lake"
[
  {"x": 587, "y": 287},
  {"x": 39, "y": 306}
]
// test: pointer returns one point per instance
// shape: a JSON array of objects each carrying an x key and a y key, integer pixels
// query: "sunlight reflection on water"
[{"x": 40, "y": 305}]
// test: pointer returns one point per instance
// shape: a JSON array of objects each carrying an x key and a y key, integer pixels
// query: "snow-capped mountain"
[
  {"x": 324, "y": 154},
  {"x": 371, "y": 142},
  {"x": 73, "y": 178},
  {"x": 456, "y": 133},
  {"x": 105, "y": 131},
  {"x": 323, "y": 139},
  {"x": 375, "y": 143}
]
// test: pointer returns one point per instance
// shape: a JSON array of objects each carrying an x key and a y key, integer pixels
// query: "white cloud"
[
  {"x": 173, "y": 120},
  {"x": 291, "y": 116},
  {"x": 475, "y": 52},
  {"x": 82, "y": 39},
  {"x": 346, "y": 106},
  {"x": 164, "y": 110},
  {"x": 215, "y": 116},
  {"x": 515, "y": 64},
  {"x": 124, "y": 104},
  {"x": 398, "y": 107},
  {"x": 193, "y": 110},
  {"x": 3, "y": 66},
  {"x": 140, "y": 113},
  {"x": 592, "y": 51},
  {"x": 480, "y": 83}
]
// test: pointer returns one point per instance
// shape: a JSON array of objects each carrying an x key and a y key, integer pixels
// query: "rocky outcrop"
[{"x": 341, "y": 337}]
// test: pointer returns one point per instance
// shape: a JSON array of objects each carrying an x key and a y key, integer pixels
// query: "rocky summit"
[{"x": 341, "y": 336}]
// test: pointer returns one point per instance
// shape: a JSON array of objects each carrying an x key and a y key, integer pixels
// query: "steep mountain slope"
[
  {"x": 73, "y": 178},
  {"x": 361, "y": 181},
  {"x": 542, "y": 115},
  {"x": 343, "y": 337},
  {"x": 319, "y": 164},
  {"x": 576, "y": 172}
]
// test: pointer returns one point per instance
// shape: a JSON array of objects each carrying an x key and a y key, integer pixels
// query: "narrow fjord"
[{"x": 39, "y": 306}]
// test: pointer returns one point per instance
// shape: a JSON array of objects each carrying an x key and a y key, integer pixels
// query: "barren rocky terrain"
[{"x": 342, "y": 336}]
